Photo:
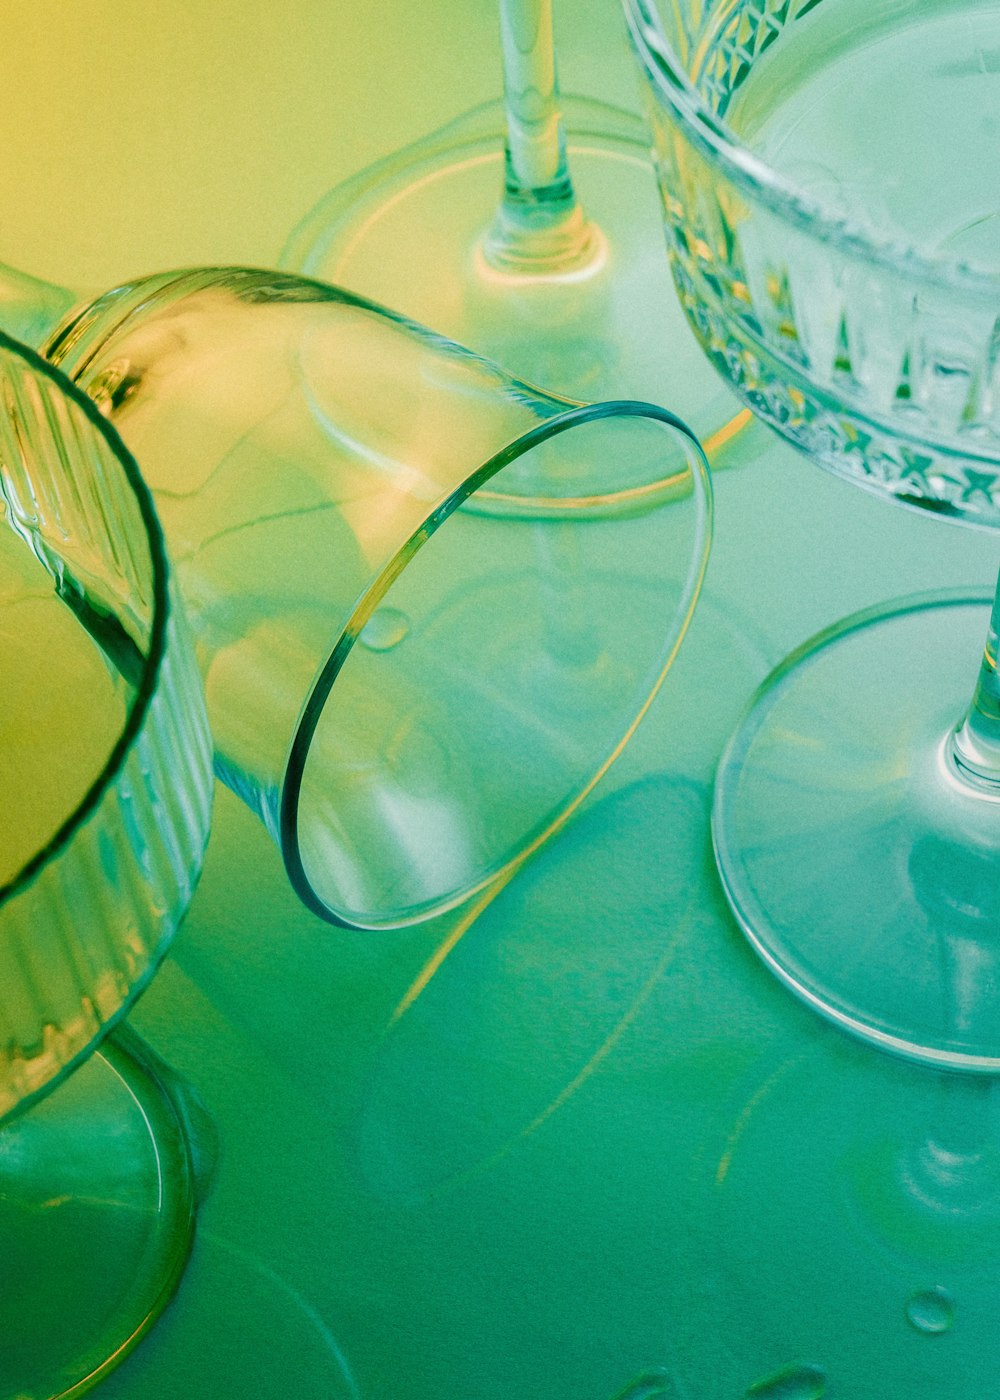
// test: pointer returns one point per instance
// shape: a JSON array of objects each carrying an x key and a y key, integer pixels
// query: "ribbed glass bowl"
[
  {"x": 828, "y": 175},
  {"x": 105, "y": 763}
]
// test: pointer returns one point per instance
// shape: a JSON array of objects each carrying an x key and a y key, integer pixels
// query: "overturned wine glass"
[{"x": 412, "y": 695}]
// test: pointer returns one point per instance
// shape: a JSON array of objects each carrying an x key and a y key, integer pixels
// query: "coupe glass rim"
[
  {"x": 762, "y": 181},
  {"x": 298, "y": 754},
  {"x": 149, "y": 675}
]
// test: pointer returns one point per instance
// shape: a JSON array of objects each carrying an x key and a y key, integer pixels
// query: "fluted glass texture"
[
  {"x": 104, "y": 752},
  {"x": 826, "y": 169}
]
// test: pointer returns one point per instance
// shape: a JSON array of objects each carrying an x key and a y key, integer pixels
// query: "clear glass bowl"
[
  {"x": 411, "y": 692},
  {"x": 827, "y": 169}
]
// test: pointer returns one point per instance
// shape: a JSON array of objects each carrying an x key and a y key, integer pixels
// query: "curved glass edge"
[
  {"x": 85, "y": 922},
  {"x": 700, "y": 475},
  {"x": 755, "y": 177},
  {"x": 854, "y": 622}
]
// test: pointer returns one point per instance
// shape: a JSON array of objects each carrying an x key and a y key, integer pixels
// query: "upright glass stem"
[
  {"x": 976, "y": 742},
  {"x": 540, "y": 227}
]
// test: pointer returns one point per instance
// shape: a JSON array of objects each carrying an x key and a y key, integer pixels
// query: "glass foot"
[
  {"x": 409, "y": 233},
  {"x": 97, "y": 1207},
  {"x": 861, "y": 868}
]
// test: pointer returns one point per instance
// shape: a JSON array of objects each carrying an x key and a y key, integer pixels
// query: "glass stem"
[
  {"x": 30, "y": 308},
  {"x": 976, "y": 741},
  {"x": 540, "y": 227}
]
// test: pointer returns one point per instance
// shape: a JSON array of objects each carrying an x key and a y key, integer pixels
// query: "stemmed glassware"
[
  {"x": 529, "y": 231},
  {"x": 412, "y": 697},
  {"x": 105, "y": 771},
  {"x": 833, "y": 234}
]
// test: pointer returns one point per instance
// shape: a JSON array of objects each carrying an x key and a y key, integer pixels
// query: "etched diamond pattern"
[{"x": 877, "y": 380}]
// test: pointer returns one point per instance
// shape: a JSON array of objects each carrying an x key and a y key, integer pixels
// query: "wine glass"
[
  {"x": 532, "y": 239},
  {"x": 826, "y": 171},
  {"x": 105, "y": 771},
  {"x": 411, "y": 696}
]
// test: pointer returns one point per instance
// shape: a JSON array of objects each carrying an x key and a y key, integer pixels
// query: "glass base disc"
[
  {"x": 97, "y": 1210},
  {"x": 864, "y": 871},
  {"x": 409, "y": 231}
]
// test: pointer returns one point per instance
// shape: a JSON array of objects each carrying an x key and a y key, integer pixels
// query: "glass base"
[
  {"x": 864, "y": 871},
  {"x": 97, "y": 1207},
  {"x": 409, "y": 233}
]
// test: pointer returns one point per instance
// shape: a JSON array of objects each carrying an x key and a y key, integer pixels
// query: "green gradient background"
[{"x": 516, "y": 1184}]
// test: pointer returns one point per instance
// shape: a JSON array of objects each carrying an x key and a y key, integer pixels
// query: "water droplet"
[
  {"x": 930, "y": 1310},
  {"x": 795, "y": 1382},
  {"x": 385, "y": 629}
]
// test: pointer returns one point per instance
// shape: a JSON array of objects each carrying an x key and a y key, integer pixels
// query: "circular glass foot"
[
  {"x": 97, "y": 1210},
  {"x": 864, "y": 871},
  {"x": 409, "y": 233}
]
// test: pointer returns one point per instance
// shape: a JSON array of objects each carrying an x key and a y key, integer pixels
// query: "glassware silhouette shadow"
[{"x": 877, "y": 1183}]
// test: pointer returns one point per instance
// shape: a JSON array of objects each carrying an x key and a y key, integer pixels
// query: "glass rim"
[
  {"x": 326, "y": 675},
  {"x": 142, "y": 698},
  {"x": 764, "y": 182}
]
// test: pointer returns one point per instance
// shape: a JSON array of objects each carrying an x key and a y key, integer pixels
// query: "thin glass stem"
[
  {"x": 540, "y": 227},
  {"x": 976, "y": 742}
]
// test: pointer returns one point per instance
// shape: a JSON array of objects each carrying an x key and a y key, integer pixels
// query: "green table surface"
[{"x": 585, "y": 1134}]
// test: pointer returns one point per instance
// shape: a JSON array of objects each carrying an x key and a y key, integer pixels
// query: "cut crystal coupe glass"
[
  {"x": 105, "y": 770},
  {"x": 533, "y": 240},
  {"x": 410, "y": 694},
  {"x": 828, "y": 172}
]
